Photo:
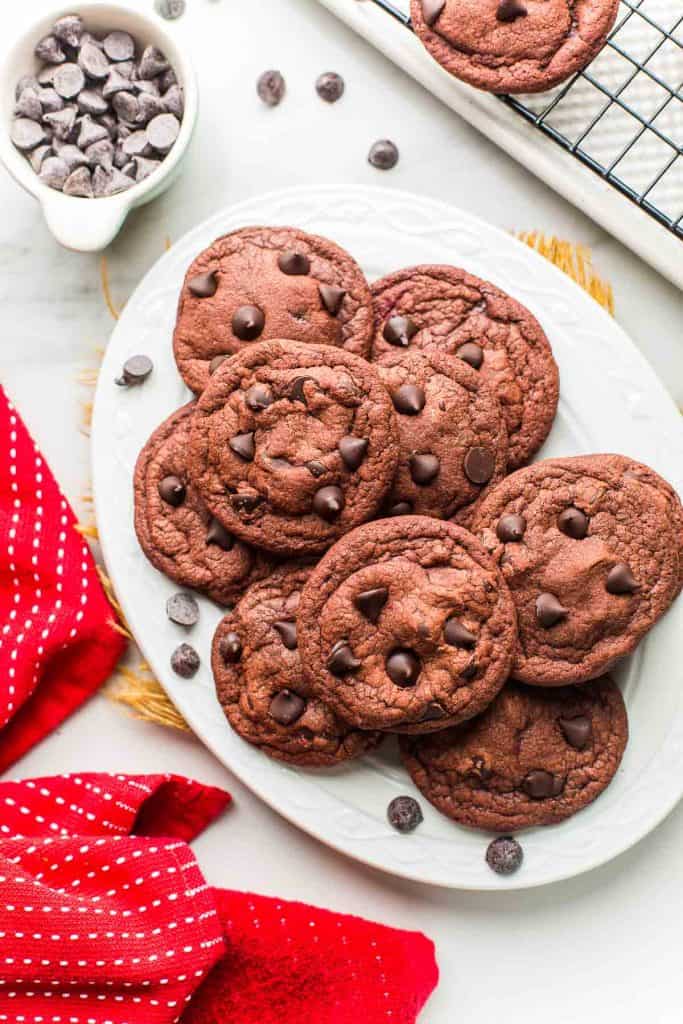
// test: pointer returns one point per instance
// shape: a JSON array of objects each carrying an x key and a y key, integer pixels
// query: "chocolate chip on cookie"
[
  {"x": 593, "y": 568},
  {"x": 263, "y": 283},
  {"x": 261, "y": 686},
  {"x": 175, "y": 529},
  {"x": 444, "y": 308},
  {"x": 534, "y": 757},
  {"x": 377, "y": 626}
]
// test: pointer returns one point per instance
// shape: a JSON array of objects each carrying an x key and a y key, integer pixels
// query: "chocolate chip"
[
  {"x": 26, "y": 134},
  {"x": 431, "y": 9},
  {"x": 245, "y": 502},
  {"x": 172, "y": 490},
  {"x": 328, "y": 503},
  {"x": 342, "y": 660},
  {"x": 182, "y": 609},
  {"x": 152, "y": 63},
  {"x": 54, "y": 172},
  {"x": 539, "y": 784},
  {"x": 119, "y": 46},
  {"x": 383, "y": 155},
  {"x": 403, "y": 667},
  {"x": 162, "y": 131},
  {"x": 128, "y": 109},
  {"x": 404, "y": 814},
  {"x": 185, "y": 661},
  {"x": 49, "y": 50},
  {"x": 116, "y": 82},
  {"x": 331, "y": 297},
  {"x": 62, "y": 122},
  {"x": 398, "y": 330},
  {"x": 504, "y": 855},
  {"x": 69, "y": 30},
  {"x": 510, "y": 10},
  {"x": 287, "y": 707},
  {"x": 315, "y": 468},
  {"x": 29, "y": 105},
  {"x": 174, "y": 101},
  {"x": 101, "y": 154},
  {"x": 92, "y": 61},
  {"x": 295, "y": 264},
  {"x": 215, "y": 363},
  {"x": 259, "y": 397},
  {"x": 549, "y": 611},
  {"x": 409, "y": 399},
  {"x": 424, "y": 468},
  {"x": 330, "y": 86},
  {"x": 297, "y": 392},
  {"x": 170, "y": 9},
  {"x": 353, "y": 451},
  {"x": 271, "y": 88},
  {"x": 471, "y": 353},
  {"x": 511, "y": 528},
  {"x": 371, "y": 602},
  {"x": 577, "y": 731},
  {"x": 400, "y": 508},
  {"x": 470, "y": 670},
  {"x": 203, "y": 286},
  {"x": 136, "y": 370},
  {"x": 287, "y": 631},
  {"x": 573, "y": 522},
  {"x": 458, "y": 635},
  {"x": 433, "y": 713},
  {"x": 218, "y": 536},
  {"x": 620, "y": 580},
  {"x": 230, "y": 648},
  {"x": 243, "y": 445},
  {"x": 248, "y": 323},
  {"x": 479, "y": 465}
]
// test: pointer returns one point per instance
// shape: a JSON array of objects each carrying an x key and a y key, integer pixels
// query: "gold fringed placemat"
[{"x": 133, "y": 684}]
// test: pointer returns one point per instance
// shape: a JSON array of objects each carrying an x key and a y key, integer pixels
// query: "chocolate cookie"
[
  {"x": 512, "y": 46},
  {"x": 591, "y": 558},
  {"x": 534, "y": 757},
  {"x": 406, "y": 625},
  {"x": 293, "y": 445},
  {"x": 175, "y": 529},
  {"x": 261, "y": 283},
  {"x": 446, "y": 308},
  {"x": 452, "y": 433},
  {"x": 261, "y": 686}
]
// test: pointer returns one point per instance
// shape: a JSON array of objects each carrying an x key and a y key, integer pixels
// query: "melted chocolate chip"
[
  {"x": 259, "y": 397},
  {"x": 458, "y": 635},
  {"x": 470, "y": 670},
  {"x": 296, "y": 392},
  {"x": 172, "y": 490},
  {"x": 424, "y": 468},
  {"x": 578, "y": 731},
  {"x": 287, "y": 707},
  {"x": 620, "y": 580},
  {"x": 510, "y": 10},
  {"x": 471, "y": 353},
  {"x": 243, "y": 446},
  {"x": 203, "y": 286},
  {"x": 230, "y": 648},
  {"x": 401, "y": 508},
  {"x": 403, "y": 667},
  {"x": 315, "y": 468},
  {"x": 510, "y": 528},
  {"x": 573, "y": 522},
  {"x": 245, "y": 502},
  {"x": 539, "y": 784},
  {"x": 431, "y": 9},
  {"x": 328, "y": 502},
  {"x": 353, "y": 450},
  {"x": 248, "y": 323},
  {"x": 218, "y": 535},
  {"x": 287, "y": 631},
  {"x": 479, "y": 465},
  {"x": 215, "y": 363},
  {"x": 331, "y": 297},
  {"x": 433, "y": 713},
  {"x": 549, "y": 611},
  {"x": 295, "y": 264},
  {"x": 371, "y": 602},
  {"x": 342, "y": 660},
  {"x": 398, "y": 330},
  {"x": 409, "y": 399}
]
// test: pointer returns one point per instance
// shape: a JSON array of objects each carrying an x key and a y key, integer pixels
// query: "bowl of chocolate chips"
[{"x": 98, "y": 106}]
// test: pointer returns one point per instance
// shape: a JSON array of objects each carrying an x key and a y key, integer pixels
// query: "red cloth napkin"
[
  {"x": 57, "y": 641},
  {"x": 105, "y": 918}
]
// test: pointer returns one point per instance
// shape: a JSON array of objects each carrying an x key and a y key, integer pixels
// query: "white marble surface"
[{"x": 605, "y": 947}]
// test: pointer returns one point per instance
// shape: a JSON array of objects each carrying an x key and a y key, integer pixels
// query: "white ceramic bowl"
[{"x": 88, "y": 225}]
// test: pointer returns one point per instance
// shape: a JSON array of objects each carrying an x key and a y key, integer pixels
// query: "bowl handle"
[{"x": 88, "y": 227}]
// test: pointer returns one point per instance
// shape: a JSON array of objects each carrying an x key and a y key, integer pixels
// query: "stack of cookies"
[{"x": 351, "y": 482}]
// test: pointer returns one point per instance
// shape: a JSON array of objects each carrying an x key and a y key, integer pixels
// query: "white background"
[{"x": 603, "y": 948}]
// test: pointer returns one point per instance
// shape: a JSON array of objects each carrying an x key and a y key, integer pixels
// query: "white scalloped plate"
[{"x": 611, "y": 401}]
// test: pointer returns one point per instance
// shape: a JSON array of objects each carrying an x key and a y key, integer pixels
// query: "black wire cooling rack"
[{"x": 623, "y": 115}]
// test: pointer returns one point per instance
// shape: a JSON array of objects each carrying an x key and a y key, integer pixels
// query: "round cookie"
[
  {"x": 267, "y": 282},
  {"x": 446, "y": 308},
  {"x": 452, "y": 434},
  {"x": 534, "y": 757},
  {"x": 175, "y": 529},
  {"x": 591, "y": 559},
  {"x": 261, "y": 686},
  {"x": 513, "y": 46},
  {"x": 406, "y": 625},
  {"x": 293, "y": 445}
]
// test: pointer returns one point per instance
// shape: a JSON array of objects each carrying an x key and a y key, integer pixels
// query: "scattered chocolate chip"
[
  {"x": 471, "y": 353},
  {"x": 119, "y": 45},
  {"x": 404, "y": 814},
  {"x": 330, "y": 86},
  {"x": 136, "y": 370},
  {"x": 371, "y": 602},
  {"x": 230, "y": 648},
  {"x": 215, "y": 363},
  {"x": 504, "y": 855},
  {"x": 424, "y": 468},
  {"x": 403, "y": 667},
  {"x": 295, "y": 264},
  {"x": 510, "y": 10},
  {"x": 511, "y": 528},
  {"x": 539, "y": 784},
  {"x": 170, "y": 9},
  {"x": 620, "y": 580},
  {"x": 431, "y": 9},
  {"x": 573, "y": 522},
  {"x": 172, "y": 491},
  {"x": 549, "y": 611},
  {"x": 328, "y": 503},
  {"x": 577, "y": 731},
  {"x": 383, "y": 155},
  {"x": 342, "y": 660},
  {"x": 458, "y": 635},
  {"x": 243, "y": 445},
  {"x": 248, "y": 323},
  {"x": 331, "y": 298},
  {"x": 287, "y": 707},
  {"x": 271, "y": 88},
  {"x": 479, "y": 465},
  {"x": 353, "y": 451},
  {"x": 69, "y": 30},
  {"x": 398, "y": 330},
  {"x": 185, "y": 661},
  {"x": 259, "y": 397},
  {"x": 217, "y": 535},
  {"x": 409, "y": 399},
  {"x": 287, "y": 631},
  {"x": 182, "y": 609}
]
